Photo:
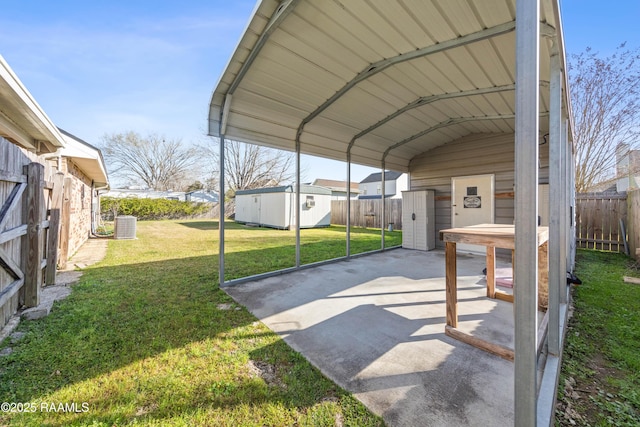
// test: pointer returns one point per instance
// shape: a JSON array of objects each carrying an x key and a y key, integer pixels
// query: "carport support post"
[
  {"x": 571, "y": 178},
  {"x": 348, "y": 205},
  {"x": 526, "y": 211},
  {"x": 298, "y": 208},
  {"x": 565, "y": 227},
  {"x": 556, "y": 202},
  {"x": 221, "y": 215},
  {"x": 382, "y": 215}
]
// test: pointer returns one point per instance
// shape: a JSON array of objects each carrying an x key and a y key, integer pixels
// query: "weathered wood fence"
[
  {"x": 599, "y": 218},
  {"x": 30, "y": 202},
  {"x": 368, "y": 213}
]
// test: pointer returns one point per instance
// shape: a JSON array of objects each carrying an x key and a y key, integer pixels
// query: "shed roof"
[
  {"x": 22, "y": 120},
  {"x": 385, "y": 80},
  {"x": 377, "y": 177},
  {"x": 335, "y": 185},
  {"x": 304, "y": 189}
]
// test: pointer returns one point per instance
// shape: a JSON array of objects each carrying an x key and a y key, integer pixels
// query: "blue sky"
[{"x": 150, "y": 66}]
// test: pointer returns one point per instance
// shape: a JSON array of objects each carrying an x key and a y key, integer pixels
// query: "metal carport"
[{"x": 378, "y": 82}]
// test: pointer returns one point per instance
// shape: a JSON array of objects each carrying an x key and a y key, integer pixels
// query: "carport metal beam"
[
  {"x": 221, "y": 214},
  {"x": 376, "y": 67},
  {"x": 425, "y": 100},
  {"x": 283, "y": 10},
  {"x": 556, "y": 203},
  {"x": 443, "y": 124},
  {"x": 564, "y": 211},
  {"x": 526, "y": 211},
  {"x": 348, "y": 249},
  {"x": 298, "y": 208},
  {"x": 382, "y": 215},
  {"x": 372, "y": 70}
]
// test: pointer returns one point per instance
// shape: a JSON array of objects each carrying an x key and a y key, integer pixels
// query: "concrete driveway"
[{"x": 375, "y": 326}]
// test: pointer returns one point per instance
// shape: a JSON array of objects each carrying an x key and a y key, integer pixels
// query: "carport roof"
[{"x": 385, "y": 80}]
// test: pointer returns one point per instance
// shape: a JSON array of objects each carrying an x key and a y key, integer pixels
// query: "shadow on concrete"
[{"x": 375, "y": 325}]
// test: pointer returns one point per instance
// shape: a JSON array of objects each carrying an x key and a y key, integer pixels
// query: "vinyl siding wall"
[{"x": 477, "y": 154}]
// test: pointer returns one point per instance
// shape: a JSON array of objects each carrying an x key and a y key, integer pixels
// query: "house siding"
[
  {"x": 80, "y": 205},
  {"x": 472, "y": 155}
]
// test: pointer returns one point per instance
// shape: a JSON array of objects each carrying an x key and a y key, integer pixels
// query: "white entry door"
[{"x": 472, "y": 203}]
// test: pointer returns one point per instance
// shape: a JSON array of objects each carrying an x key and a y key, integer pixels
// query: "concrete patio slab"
[{"x": 375, "y": 325}]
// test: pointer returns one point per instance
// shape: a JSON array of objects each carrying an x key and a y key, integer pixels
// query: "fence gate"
[{"x": 29, "y": 221}]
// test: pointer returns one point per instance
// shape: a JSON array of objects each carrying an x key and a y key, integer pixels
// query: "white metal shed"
[
  {"x": 381, "y": 82},
  {"x": 275, "y": 207}
]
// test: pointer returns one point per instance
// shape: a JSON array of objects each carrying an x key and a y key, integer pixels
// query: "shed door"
[
  {"x": 255, "y": 209},
  {"x": 472, "y": 203}
]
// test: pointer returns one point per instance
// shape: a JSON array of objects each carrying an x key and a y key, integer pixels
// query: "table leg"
[
  {"x": 491, "y": 272},
  {"x": 451, "y": 284}
]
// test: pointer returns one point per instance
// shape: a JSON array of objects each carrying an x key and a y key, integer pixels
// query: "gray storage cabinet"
[{"x": 418, "y": 220}]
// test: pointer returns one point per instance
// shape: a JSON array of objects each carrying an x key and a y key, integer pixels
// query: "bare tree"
[
  {"x": 249, "y": 166},
  {"x": 604, "y": 94},
  {"x": 158, "y": 163}
]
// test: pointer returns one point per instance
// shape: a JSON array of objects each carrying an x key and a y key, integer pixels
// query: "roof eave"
[
  {"x": 22, "y": 120},
  {"x": 87, "y": 157}
]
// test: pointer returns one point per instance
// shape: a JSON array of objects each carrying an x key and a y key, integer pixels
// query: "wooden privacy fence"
[
  {"x": 29, "y": 225},
  {"x": 368, "y": 213},
  {"x": 599, "y": 221}
]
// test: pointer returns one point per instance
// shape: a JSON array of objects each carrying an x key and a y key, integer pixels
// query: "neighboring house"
[
  {"x": 627, "y": 173},
  {"x": 275, "y": 206},
  {"x": 56, "y": 176},
  {"x": 627, "y": 168},
  {"x": 122, "y": 193},
  {"x": 338, "y": 188},
  {"x": 394, "y": 184}
]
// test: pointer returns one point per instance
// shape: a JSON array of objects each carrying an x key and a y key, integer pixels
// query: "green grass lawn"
[
  {"x": 147, "y": 338},
  {"x": 600, "y": 381}
]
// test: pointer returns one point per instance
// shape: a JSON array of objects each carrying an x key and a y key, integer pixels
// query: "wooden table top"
[{"x": 498, "y": 235}]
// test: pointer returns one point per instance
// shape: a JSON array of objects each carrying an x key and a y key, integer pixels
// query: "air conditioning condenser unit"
[{"x": 125, "y": 227}]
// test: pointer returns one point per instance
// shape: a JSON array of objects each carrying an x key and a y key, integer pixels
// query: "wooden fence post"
[
  {"x": 32, "y": 252},
  {"x": 633, "y": 221},
  {"x": 65, "y": 220},
  {"x": 54, "y": 228}
]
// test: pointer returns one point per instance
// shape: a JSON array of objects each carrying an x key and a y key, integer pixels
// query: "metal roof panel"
[{"x": 317, "y": 66}]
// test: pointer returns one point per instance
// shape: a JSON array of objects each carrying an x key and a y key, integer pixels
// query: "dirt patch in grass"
[
  {"x": 266, "y": 371},
  {"x": 579, "y": 405}
]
